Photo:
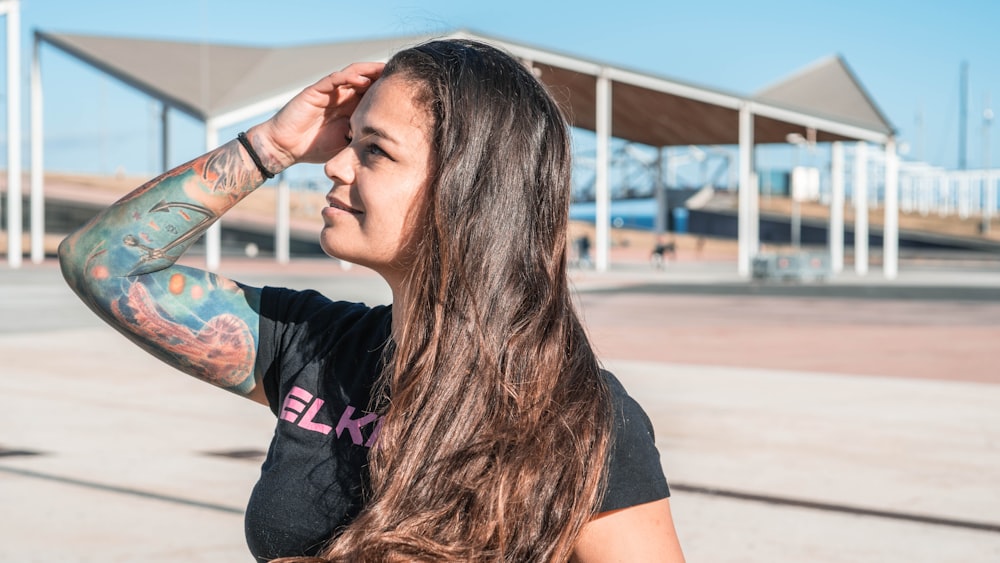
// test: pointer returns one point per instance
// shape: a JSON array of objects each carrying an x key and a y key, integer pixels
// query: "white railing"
[{"x": 929, "y": 190}]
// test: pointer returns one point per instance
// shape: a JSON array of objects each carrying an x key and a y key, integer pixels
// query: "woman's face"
[{"x": 379, "y": 180}]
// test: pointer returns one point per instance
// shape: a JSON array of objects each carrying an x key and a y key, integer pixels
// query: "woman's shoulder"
[
  {"x": 309, "y": 324},
  {"x": 294, "y": 305},
  {"x": 630, "y": 416},
  {"x": 635, "y": 475}
]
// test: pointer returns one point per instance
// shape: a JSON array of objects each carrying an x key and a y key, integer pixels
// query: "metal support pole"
[
  {"x": 963, "y": 114},
  {"x": 988, "y": 207},
  {"x": 860, "y": 195},
  {"x": 746, "y": 246},
  {"x": 836, "y": 227},
  {"x": 602, "y": 212},
  {"x": 37, "y": 168},
  {"x": 890, "y": 228},
  {"x": 15, "y": 227}
]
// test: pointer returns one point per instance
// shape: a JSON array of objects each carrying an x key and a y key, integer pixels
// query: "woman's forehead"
[{"x": 392, "y": 106}]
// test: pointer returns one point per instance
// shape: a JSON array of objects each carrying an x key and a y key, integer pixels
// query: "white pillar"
[
  {"x": 282, "y": 222},
  {"x": 746, "y": 212},
  {"x": 602, "y": 212},
  {"x": 37, "y": 168},
  {"x": 836, "y": 227},
  {"x": 860, "y": 196},
  {"x": 15, "y": 227},
  {"x": 890, "y": 227},
  {"x": 753, "y": 230},
  {"x": 213, "y": 236}
]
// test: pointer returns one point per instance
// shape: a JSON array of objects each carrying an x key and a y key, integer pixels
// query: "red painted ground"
[{"x": 922, "y": 339}]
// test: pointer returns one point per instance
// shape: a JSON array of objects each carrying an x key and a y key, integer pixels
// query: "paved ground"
[{"x": 854, "y": 421}]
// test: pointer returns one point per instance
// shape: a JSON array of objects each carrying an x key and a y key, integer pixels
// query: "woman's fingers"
[
  {"x": 359, "y": 75},
  {"x": 301, "y": 131}
]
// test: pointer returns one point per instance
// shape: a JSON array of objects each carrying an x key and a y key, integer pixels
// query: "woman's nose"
[{"x": 340, "y": 168}]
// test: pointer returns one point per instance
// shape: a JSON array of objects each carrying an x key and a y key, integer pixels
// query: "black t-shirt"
[{"x": 320, "y": 359}]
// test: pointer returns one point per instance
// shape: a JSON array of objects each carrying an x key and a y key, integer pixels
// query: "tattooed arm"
[{"x": 122, "y": 263}]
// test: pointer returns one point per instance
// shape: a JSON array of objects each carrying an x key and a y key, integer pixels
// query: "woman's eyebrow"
[{"x": 369, "y": 130}]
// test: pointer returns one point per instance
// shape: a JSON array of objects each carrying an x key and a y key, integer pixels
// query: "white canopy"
[{"x": 226, "y": 84}]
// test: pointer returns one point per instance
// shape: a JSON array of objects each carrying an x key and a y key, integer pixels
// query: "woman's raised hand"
[{"x": 312, "y": 126}]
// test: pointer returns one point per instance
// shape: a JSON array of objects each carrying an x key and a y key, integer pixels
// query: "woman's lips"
[{"x": 343, "y": 207}]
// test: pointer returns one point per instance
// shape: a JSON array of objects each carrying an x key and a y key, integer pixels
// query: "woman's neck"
[{"x": 398, "y": 310}]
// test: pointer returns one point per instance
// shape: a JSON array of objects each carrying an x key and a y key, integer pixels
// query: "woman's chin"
[{"x": 333, "y": 251}]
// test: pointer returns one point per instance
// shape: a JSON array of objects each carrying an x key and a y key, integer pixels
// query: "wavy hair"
[{"x": 497, "y": 421}]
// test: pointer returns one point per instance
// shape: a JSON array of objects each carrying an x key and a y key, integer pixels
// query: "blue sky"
[{"x": 907, "y": 54}]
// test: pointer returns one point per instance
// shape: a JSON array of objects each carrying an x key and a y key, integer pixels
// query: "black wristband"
[{"x": 242, "y": 138}]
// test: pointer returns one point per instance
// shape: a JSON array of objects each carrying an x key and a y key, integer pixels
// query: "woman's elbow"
[
  {"x": 69, "y": 260},
  {"x": 74, "y": 263}
]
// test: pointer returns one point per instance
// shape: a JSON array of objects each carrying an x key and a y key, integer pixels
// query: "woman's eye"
[{"x": 368, "y": 150}]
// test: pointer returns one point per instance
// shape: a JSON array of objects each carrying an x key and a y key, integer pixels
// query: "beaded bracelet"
[{"x": 242, "y": 138}]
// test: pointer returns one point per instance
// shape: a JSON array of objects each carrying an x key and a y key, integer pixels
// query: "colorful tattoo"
[
  {"x": 182, "y": 239},
  {"x": 122, "y": 265},
  {"x": 193, "y": 320}
]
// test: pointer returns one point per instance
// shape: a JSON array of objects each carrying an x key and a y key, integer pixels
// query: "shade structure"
[{"x": 223, "y": 84}]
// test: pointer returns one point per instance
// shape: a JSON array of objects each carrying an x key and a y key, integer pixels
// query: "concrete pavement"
[{"x": 108, "y": 455}]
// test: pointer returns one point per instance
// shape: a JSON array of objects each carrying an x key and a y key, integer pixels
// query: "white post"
[
  {"x": 860, "y": 196},
  {"x": 925, "y": 191},
  {"x": 944, "y": 196},
  {"x": 798, "y": 179},
  {"x": 906, "y": 194},
  {"x": 37, "y": 170},
  {"x": 890, "y": 227},
  {"x": 836, "y": 227},
  {"x": 213, "y": 236},
  {"x": 15, "y": 227},
  {"x": 753, "y": 230},
  {"x": 602, "y": 212},
  {"x": 964, "y": 196},
  {"x": 282, "y": 229},
  {"x": 745, "y": 213},
  {"x": 976, "y": 183}
]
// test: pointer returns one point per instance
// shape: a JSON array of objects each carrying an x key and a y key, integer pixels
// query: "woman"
[{"x": 468, "y": 421}]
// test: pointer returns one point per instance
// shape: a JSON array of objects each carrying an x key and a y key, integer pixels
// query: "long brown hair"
[{"x": 497, "y": 420}]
